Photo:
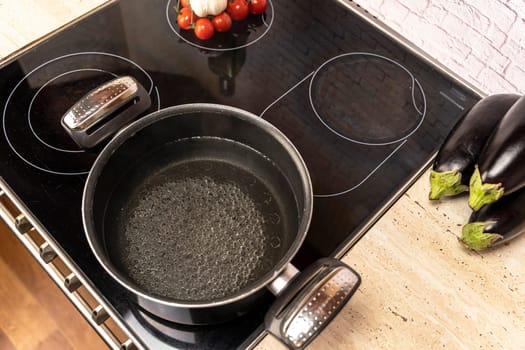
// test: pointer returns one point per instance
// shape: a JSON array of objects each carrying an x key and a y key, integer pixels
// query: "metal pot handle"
[
  {"x": 310, "y": 301},
  {"x": 105, "y": 110}
]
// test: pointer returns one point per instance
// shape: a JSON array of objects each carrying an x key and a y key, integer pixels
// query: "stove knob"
[
  {"x": 22, "y": 224},
  {"x": 47, "y": 253}
]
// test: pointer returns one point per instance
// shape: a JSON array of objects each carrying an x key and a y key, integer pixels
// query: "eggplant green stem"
[
  {"x": 445, "y": 183},
  {"x": 473, "y": 237},
  {"x": 480, "y": 193}
]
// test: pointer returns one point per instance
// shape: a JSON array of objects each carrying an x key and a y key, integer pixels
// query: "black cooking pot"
[{"x": 197, "y": 209}]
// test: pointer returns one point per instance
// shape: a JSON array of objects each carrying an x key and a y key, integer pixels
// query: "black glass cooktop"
[{"x": 365, "y": 113}]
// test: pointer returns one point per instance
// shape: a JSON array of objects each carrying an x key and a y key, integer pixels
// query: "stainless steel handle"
[
  {"x": 97, "y": 103},
  {"x": 283, "y": 280},
  {"x": 104, "y": 110},
  {"x": 65, "y": 275},
  {"x": 310, "y": 301}
]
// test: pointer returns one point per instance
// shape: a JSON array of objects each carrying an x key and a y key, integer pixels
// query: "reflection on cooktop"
[
  {"x": 242, "y": 34},
  {"x": 162, "y": 334}
]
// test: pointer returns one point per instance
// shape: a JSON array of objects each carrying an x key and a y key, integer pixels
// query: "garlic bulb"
[{"x": 203, "y": 8}]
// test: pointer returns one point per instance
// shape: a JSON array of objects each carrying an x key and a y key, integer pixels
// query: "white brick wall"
[{"x": 481, "y": 40}]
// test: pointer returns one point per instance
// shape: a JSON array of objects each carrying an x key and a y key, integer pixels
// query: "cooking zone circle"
[
  {"x": 369, "y": 104},
  {"x": 339, "y": 87},
  {"x": 243, "y": 33},
  {"x": 45, "y": 93},
  {"x": 42, "y": 96}
]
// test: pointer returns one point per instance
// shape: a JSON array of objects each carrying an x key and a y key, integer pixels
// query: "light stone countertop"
[{"x": 420, "y": 288}]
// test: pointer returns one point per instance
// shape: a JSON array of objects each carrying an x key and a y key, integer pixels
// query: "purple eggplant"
[
  {"x": 496, "y": 223},
  {"x": 454, "y": 163},
  {"x": 501, "y": 165}
]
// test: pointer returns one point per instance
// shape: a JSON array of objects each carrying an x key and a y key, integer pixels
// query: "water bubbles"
[
  {"x": 274, "y": 218},
  {"x": 275, "y": 242},
  {"x": 204, "y": 232}
]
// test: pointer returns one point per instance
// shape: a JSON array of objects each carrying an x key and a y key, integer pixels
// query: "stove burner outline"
[
  {"x": 379, "y": 165},
  {"x": 401, "y": 141},
  {"x": 268, "y": 26},
  {"x": 414, "y": 81},
  {"x": 40, "y": 89},
  {"x": 72, "y": 173}
]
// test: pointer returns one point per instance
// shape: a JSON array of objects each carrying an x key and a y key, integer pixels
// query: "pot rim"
[{"x": 174, "y": 111}]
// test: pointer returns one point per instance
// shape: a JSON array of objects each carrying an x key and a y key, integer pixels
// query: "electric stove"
[{"x": 366, "y": 112}]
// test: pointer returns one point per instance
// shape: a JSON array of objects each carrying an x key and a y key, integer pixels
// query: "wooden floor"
[{"x": 34, "y": 313}]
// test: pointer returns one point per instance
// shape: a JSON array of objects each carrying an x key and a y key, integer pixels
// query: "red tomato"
[
  {"x": 257, "y": 7},
  {"x": 237, "y": 9},
  {"x": 185, "y": 3},
  {"x": 186, "y": 18},
  {"x": 204, "y": 29},
  {"x": 222, "y": 22}
]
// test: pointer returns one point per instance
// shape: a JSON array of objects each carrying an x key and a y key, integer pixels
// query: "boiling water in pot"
[{"x": 201, "y": 226}]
